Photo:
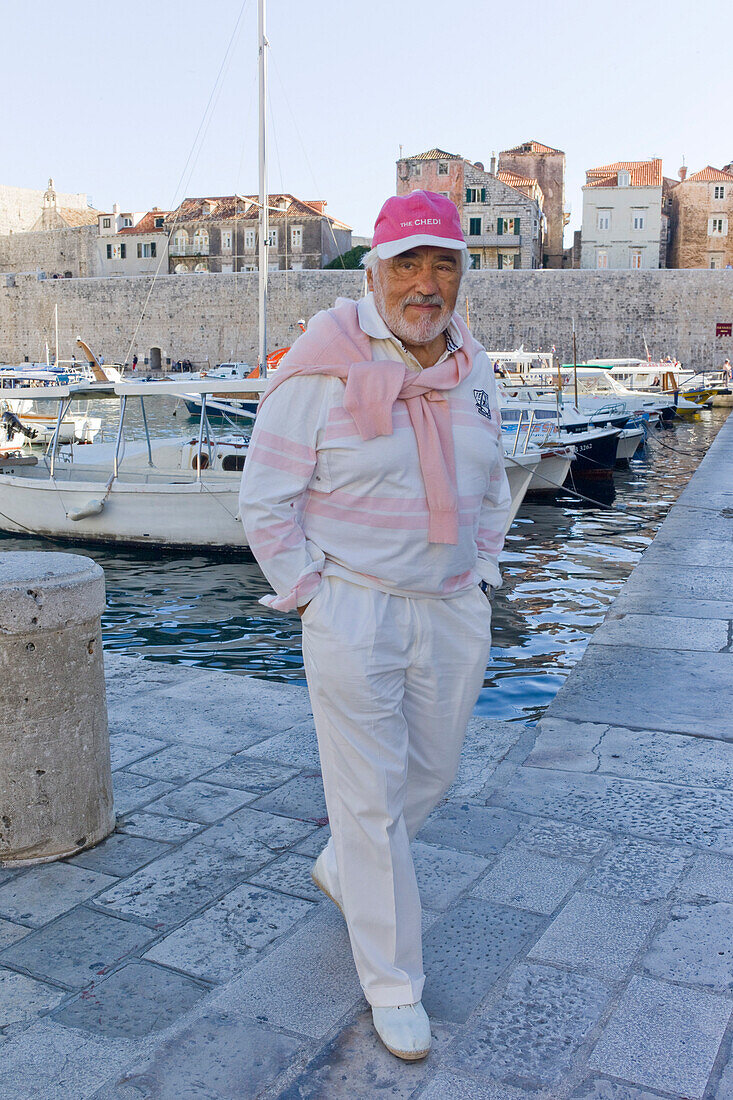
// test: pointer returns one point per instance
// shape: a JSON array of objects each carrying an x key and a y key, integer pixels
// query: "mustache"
[{"x": 423, "y": 300}]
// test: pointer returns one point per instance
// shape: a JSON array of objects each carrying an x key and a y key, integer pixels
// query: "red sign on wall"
[{"x": 724, "y": 328}]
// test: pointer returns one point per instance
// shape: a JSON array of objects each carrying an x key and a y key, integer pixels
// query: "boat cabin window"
[{"x": 233, "y": 463}]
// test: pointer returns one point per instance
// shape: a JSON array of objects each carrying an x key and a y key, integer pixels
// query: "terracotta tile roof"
[
  {"x": 435, "y": 154},
  {"x": 515, "y": 180},
  {"x": 147, "y": 223},
  {"x": 531, "y": 147},
  {"x": 74, "y": 217},
  {"x": 643, "y": 173},
  {"x": 707, "y": 175},
  {"x": 224, "y": 207}
]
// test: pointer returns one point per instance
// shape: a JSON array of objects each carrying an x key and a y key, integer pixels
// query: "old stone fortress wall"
[{"x": 214, "y": 317}]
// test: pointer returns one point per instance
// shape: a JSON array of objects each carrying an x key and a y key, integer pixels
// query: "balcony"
[
  {"x": 494, "y": 240},
  {"x": 186, "y": 250}
]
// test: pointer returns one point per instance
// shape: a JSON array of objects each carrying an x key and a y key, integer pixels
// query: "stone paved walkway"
[{"x": 577, "y": 883}]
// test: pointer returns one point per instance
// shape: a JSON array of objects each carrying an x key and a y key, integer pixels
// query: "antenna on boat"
[{"x": 264, "y": 212}]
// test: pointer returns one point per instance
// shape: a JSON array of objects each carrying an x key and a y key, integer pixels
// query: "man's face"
[{"x": 415, "y": 292}]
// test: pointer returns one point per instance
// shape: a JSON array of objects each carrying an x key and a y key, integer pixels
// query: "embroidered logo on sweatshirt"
[{"x": 481, "y": 398}]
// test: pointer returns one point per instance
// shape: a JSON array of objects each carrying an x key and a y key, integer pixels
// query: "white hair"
[{"x": 370, "y": 260}]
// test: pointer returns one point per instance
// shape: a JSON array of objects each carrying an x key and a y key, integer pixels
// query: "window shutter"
[
  {"x": 499, "y": 228},
  {"x": 500, "y": 261},
  {"x": 468, "y": 195},
  {"x": 516, "y": 225},
  {"x": 517, "y": 260},
  {"x": 483, "y": 194}
]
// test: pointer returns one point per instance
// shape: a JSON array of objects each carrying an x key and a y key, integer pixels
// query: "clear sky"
[{"x": 108, "y": 98}]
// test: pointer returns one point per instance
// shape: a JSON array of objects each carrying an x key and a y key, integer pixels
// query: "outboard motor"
[{"x": 11, "y": 425}]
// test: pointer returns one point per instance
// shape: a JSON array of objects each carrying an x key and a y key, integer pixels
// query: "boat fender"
[{"x": 93, "y": 508}]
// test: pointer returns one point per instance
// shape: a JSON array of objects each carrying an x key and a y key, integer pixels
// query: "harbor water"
[{"x": 563, "y": 563}]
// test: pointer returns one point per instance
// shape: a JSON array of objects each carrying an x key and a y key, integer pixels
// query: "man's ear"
[{"x": 370, "y": 279}]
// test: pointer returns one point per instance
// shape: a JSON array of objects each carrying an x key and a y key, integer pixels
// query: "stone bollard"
[{"x": 55, "y": 776}]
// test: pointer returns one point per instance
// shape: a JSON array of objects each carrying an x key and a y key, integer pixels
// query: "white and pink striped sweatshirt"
[{"x": 317, "y": 499}]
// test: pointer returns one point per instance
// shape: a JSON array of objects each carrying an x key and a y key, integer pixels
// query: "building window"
[
  {"x": 272, "y": 238},
  {"x": 109, "y": 251},
  {"x": 296, "y": 238},
  {"x": 475, "y": 194},
  {"x": 180, "y": 242},
  {"x": 201, "y": 242},
  {"x": 624, "y": 178},
  {"x": 638, "y": 219},
  {"x": 713, "y": 263},
  {"x": 416, "y": 169},
  {"x": 717, "y": 227},
  {"x": 442, "y": 168},
  {"x": 296, "y": 265},
  {"x": 159, "y": 222},
  {"x": 635, "y": 258},
  {"x": 719, "y": 191},
  {"x": 507, "y": 225},
  {"x": 123, "y": 251},
  {"x": 226, "y": 240},
  {"x": 126, "y": 222},
  {"x": 249, "y": 240},
  {"x": 475, "y": 261},
  {"x": 107, "y": 222},
  {"x": 146, "y": 250},
  {"x": 604, "y": 219},
  {"x": 474, "y": 227},
  {"x": 602, "y": 259}
]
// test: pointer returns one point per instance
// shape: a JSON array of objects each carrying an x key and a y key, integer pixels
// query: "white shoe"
[
  {"x": 404, "y": 1030},
  {"x": 321, "y": 880}
]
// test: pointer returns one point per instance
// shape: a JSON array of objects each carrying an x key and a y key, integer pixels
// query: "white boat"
[{"x": 19, "y": 390}]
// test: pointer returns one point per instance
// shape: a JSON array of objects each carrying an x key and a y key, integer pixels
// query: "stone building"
[
  {"x": 535, "y": 161},
  {"x": 133, "y": 242},
  {"x": 701, "y": 219},
  {"x": 502, "y": 221},
  {"x": 23, "y": 210},
  {"x": 221, "y": 234},
  {"x": 623, "y": 223}
]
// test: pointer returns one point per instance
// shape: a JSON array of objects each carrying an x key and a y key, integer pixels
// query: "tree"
[{"x": 350, "y": 259}]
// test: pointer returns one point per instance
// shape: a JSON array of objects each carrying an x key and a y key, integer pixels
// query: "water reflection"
[{"x": 564, "y": 562}]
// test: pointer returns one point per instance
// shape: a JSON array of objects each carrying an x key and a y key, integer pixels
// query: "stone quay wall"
[{"x": 214, "y": 317}]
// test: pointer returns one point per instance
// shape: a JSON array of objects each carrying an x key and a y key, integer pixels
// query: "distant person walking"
[{"x": 375, "y": 499}]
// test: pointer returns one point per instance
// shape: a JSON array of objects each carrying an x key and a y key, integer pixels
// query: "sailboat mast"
[
  {"x": 264, "y": 213},
  {"x": 56, "y": 326}
]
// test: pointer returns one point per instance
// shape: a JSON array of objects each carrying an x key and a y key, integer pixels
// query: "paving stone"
[
  {"x": 663, "y": 1036},
  {"x": 157, "y": 827},
  {"x": 314, "y": 966},
  {"x": 291, "y": 874},
  {"x": 134, "y": 1001},
  {"x": 10, "y": 933},
  {"x": 219, "y": 1057},
  {"x": 297, "y": 747},
  {"x": 46, "y": 891},
  {"x": 179, "y": 763},
  {"x": 225, "y": 939},
  {"x": 203, "y": 802},
  {"x": 534, "y": 1030},
  {"x": 46, "y": 1061},
  {"x": 657, "y": 811},
  {"x": 126, "y": 748},
  {"x": 301, "y": 797},
  {"x": 600, "y": 1088},
  {"x": 78, "y": 949},
  {"x": 709, "y": 877},
  {"x": 596, "y": 934},
  {"x": 479, "y": 829},
  {"x": 314, "y": 844},
  {"x": 449, "y": 1086},
  {"x": 246, "y": 774},
  {"x": 173, "y": 887},
  {"x": 695, "y": 946},
  {"x": 635, "y": 869},
  {"x": 623, "y": 685},
  {"x": 247, "y": 829},
  {"x": 133, "y": 791},
  {"x": 527, "y": 880},
  {"x": 654, "y": 580},
  {"x": 465, "y": 951},
  {"x": 119, "y": 855},
  {"x": 356, "y": 1066},
  {"x": 487, "y": 743},
  {"x": 633, "y": 754},
  {"x": 23, "y": 999},
  {"x": 657, "y": 631},
  {"x": 442, "y": 874},
  {"x": 560, "y": 839}
]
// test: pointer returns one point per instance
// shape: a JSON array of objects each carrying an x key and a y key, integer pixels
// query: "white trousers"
[{"x": 393, "y": 682}]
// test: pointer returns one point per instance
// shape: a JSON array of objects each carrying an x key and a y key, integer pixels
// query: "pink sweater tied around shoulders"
[{"x": 334, "y": 344}]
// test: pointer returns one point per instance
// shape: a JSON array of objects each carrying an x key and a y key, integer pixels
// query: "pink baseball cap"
[{"x": 420, "y": 218}]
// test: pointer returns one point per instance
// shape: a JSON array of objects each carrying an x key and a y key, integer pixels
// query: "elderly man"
[{"x": 374, "y": 498}]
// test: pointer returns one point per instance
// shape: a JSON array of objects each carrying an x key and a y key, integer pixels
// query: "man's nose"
[{"x": 427, "y": 282}]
